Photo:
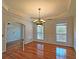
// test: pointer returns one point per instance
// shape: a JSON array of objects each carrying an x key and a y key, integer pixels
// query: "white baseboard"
[{"x": 27, "y": 42}]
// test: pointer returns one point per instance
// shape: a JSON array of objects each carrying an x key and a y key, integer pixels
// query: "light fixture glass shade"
[{"x": 39, "y": 22}]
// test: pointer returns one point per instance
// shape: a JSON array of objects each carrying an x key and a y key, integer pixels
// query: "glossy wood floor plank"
[{"x": 37, "y": 50}]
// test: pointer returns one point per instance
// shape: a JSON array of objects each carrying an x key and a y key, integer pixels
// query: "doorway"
[{"x": 15, "y": 35}]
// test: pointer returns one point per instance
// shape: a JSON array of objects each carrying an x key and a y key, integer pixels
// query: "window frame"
[
  {"x": 40, "y": 33},
  {"x": 62, "y": 33}
]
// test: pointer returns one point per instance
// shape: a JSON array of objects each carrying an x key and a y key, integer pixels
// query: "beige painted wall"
[
  {"x": 4, "y": 29},
  {"x": 14, "y": 18},
  {"x": 30, "y": 34},
  {"x": 28, "y": 26},
  {"x": 74, "y": 33},
  {"x": 50, "y": 31}
]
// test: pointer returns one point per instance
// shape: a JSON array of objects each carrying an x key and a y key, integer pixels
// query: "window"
[
  {"x": 61, "y": 32},
  {"x": 40, "y": 33}
]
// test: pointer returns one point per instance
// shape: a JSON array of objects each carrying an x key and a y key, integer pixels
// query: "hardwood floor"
[{"x": 37, "y": 50}]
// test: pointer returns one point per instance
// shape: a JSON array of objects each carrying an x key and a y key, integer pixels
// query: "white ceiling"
[{"x": 49, "y": 8}]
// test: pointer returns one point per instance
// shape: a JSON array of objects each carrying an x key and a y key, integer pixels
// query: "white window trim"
[
  {"x": 63, "y": 34},
  {"x": 42, "y": 33}
]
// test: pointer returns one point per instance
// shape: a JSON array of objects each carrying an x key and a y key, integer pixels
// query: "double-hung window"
[
  {"x": 61, "y": 32},
  {"x": 40, "y": 32}
]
